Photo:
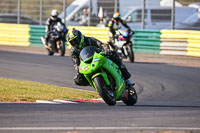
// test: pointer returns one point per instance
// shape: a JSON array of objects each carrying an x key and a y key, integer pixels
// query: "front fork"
[
  {"x": 124, "y": 48},
  {"x": 90, "y": 79}
]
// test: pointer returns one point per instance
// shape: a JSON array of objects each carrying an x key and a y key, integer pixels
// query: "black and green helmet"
[{"x": 76, "y": 38}]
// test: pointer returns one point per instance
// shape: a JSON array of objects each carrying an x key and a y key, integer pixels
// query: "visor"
[
  {"x": 76, "y": 41},
  {"x": 73, "y": 43},
  {"x": 117, "y": 19}
]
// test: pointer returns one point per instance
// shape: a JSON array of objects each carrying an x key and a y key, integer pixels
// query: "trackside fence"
[{"x": 171, "y": 42}]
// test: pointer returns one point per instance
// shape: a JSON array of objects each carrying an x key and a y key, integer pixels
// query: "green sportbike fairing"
[{"x": 105, "y": 77}]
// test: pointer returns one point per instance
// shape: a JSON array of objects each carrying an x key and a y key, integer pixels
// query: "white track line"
[
  {"x": 47, "y": 102},
  {"x": 63, "y": 101},
  {"x": 100, "y": 99},
  {"x": 99, "y": 128}
]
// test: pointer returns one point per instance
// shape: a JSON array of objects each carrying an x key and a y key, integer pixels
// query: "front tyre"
[
  {"x": 129, "y": 53},
  {"x": 62, "y": 48},
  {"x": 104, "y": 91}
]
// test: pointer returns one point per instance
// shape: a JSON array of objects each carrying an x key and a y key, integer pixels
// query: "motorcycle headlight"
[{"x": 60, "y": 28}]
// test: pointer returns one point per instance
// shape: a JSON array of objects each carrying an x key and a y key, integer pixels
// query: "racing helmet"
[
  {"x": 76, "y": 38},
  {"x": 54, "y": 14},
  {"x": 116, "y": 16}
]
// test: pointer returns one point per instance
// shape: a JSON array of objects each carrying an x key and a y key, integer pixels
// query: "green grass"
[{"x": 18, "y": 90}]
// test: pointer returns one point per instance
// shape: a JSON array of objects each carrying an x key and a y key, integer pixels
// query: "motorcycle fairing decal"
[
  {"x": 121, "y": 38},
  {"x": 80, "y": 68},
  {"x": 96, "y": 59},
  {"x": 86, "y": 68}
]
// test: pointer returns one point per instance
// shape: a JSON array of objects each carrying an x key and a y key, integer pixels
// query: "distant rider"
[
  {"x": 78, "y": 42},
  {"x": 115, "y": 24},
  {"x": 50, "y": 25}
]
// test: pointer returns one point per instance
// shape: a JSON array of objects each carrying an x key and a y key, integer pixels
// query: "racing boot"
[
  {"x": 129, "y": 83},
  {"x": 125, "y": 72}
]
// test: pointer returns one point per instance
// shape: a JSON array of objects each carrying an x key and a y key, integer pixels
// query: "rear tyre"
[
  {"x": 62, "y": 48},
  {"x": 104, "y": 91},
  {"x": 130, "y": 96}
]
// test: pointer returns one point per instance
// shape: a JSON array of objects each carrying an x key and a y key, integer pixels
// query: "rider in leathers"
[
  {"x": 115, "y": 24},
  {"x": 78, "y": 42},
  {"x": 51, "y": 22}
]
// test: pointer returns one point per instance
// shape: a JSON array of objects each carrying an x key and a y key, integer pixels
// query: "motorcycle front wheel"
[
  {"x": 104, "y": 91},
  {"x": 129, "y": 53},
  {"x": 62, "y": 48}
]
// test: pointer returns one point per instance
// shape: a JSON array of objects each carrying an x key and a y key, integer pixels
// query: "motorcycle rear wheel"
[
  {"x": 104, "y": 91},
  {"x": 130, "y": 97}
]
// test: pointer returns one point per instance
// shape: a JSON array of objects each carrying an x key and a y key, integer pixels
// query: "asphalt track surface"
[{"x": 169, "y": 99}]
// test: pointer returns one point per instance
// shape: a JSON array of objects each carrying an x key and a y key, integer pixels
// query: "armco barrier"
[
  {"x": 173, "y": 42},
  {"x": 35, "y": 34},
  {"x": 193, "y": 48},
  {"x": 25, "y": 35},
  {"x": 146, "y": 41},
  {"x": 96, "y": 32},
  {"x": 180, "y": 42},
  {"x": 37, "y": 31},
  {"x": 176, "y": 42},
  {"x": 14, "y": 34}
]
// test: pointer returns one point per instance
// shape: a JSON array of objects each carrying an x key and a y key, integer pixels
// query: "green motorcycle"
[{"x": 105, "y": 77}]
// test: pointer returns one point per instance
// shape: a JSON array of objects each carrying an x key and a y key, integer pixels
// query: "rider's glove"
[
  {"x": 108, "y": 52},
  {"x": 129, "y": 30},
  {"x": 105, "y": 47}
]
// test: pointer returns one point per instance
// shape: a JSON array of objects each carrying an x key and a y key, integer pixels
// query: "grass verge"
[{"x": 19, "y": 90}]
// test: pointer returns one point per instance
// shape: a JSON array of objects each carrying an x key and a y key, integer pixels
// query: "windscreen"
[
  {"x": 124, "y": 33},
  {"x": 87, "y": 52}
]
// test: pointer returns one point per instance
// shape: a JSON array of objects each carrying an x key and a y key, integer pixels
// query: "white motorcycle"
[{"x": 123, "y": 45}]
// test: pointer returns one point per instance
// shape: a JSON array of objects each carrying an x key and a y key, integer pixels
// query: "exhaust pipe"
[{"x": 44, "y": 43}]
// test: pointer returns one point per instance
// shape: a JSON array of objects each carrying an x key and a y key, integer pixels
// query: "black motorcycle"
[
  {"x": 56, "y": 43},
  {"x": 123, "y": 45}
]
